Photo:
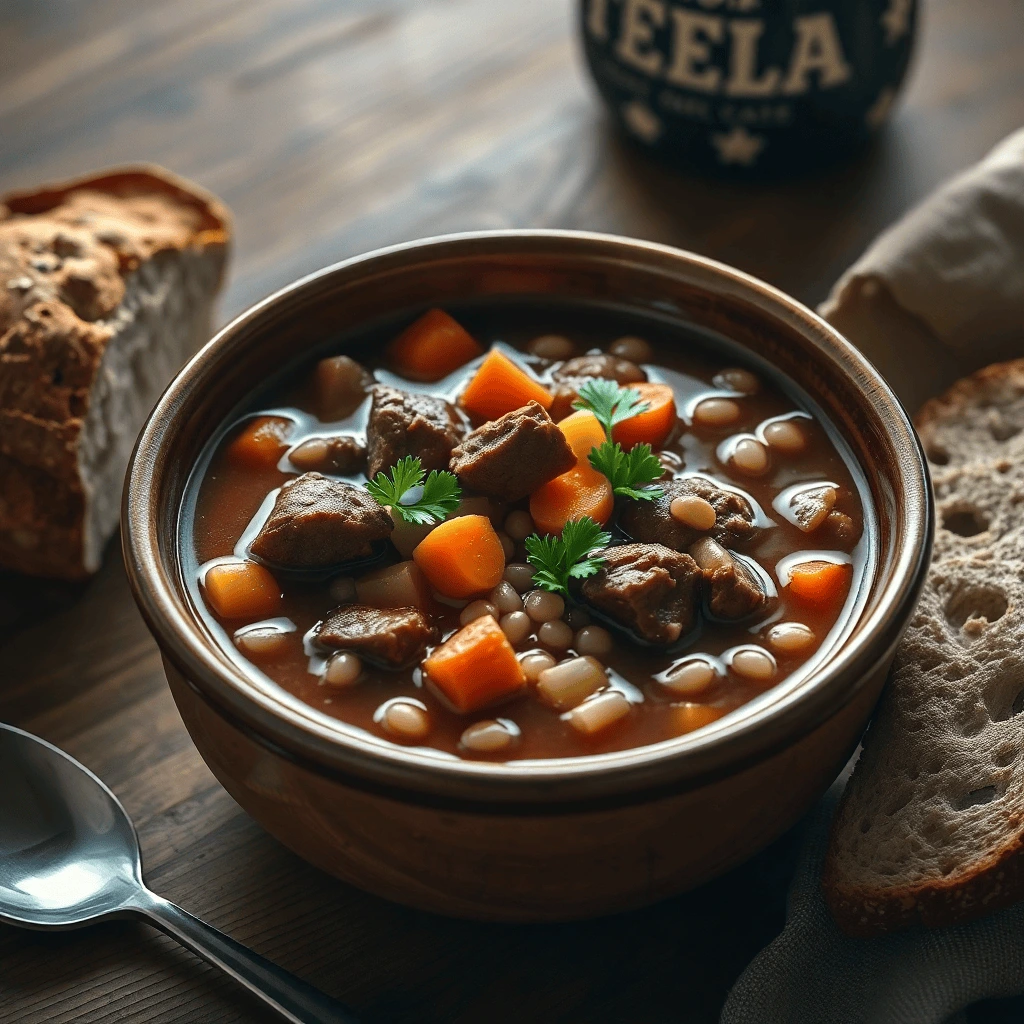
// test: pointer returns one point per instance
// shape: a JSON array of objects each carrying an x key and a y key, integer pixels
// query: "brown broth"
[{"x": 229, "y": 496}]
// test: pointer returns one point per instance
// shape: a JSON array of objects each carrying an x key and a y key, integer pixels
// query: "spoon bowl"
[{"x": 69, "y": 857}]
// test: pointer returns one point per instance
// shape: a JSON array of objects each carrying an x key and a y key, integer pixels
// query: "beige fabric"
[{"x": 941, "y": 292}]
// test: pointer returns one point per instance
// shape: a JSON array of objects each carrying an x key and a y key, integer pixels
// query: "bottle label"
[{"x": 739, "y": 77}]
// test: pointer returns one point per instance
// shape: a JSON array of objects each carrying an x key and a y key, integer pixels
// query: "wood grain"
[{"x": 331, "y": 127}]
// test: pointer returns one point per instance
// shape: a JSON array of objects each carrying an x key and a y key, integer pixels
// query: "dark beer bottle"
[{"x": 750, "y": 87}]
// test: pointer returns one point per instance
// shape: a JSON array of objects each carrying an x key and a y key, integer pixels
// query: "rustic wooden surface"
[{"x": 331, "y": 127}]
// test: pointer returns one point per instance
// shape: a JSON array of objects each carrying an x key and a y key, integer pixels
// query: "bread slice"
[
  {"x": 106, "y": 287},
  {"x": 930, "y": 829}
]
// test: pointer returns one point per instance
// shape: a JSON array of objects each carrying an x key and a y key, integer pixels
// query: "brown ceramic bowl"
[{"x": 545, "y": 840}]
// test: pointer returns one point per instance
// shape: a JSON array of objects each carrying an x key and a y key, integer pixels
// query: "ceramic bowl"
[{"x": 547, "y": 840}]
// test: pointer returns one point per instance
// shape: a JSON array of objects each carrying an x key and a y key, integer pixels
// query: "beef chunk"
[
  {"x": 652, "y": 522},
  {"x": 818, "y": 510},
  {"x": 390, "y": 637},
  {"x": 840, "y": 529},
  {"x": 647, "y": 588},
  {"x": 575, "y": 372},
  {"x": 510, "y": 457},
  {"x": 600, "y": 365},
  {"x": 318, "y": 522},
  {"x": 402, "y": 423},
  {"x": 343, "y": 454},
  {"x": 732, "y": 591}
]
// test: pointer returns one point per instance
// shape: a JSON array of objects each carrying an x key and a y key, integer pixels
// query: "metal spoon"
[{"x": 69, "y": 857}]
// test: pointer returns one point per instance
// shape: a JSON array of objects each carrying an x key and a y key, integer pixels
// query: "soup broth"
[{"x": 737, "y": 578}]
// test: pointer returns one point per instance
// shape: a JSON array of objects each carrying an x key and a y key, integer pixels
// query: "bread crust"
[
  {"x": 967, "y": 393},
  {"x": 992, "y": 878},
  {"x": 992, "y": 882},
  {"x": 68, "y": 253}
]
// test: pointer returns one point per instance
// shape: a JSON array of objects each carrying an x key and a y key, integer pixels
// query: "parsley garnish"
[
  {"x": 414, "y": 499},
  {"x": 556, "y": 559},
  {"x": 627, "y": 471},
  {"x": 610, "y": 403}
]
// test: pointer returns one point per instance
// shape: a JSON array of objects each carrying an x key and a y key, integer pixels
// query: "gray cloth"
[
  {"x": 814, "y": 974},
  {"x": 938, "y": 295}
]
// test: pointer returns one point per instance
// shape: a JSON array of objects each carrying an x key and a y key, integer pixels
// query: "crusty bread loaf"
[
  {"x": 106, "y": 287},
  {"x": 930, "y": 829}
]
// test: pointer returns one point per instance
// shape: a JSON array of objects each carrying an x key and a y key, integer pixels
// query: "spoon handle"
[{"x": 291, "y": 997}]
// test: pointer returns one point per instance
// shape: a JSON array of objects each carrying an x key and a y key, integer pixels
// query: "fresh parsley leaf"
[
  {"x": 610, "y": 403},
  {"x": 405, "y": 474},
  {"x": 413, "y": 498},
  {"x": 556, "y": 559},
  {"x": 628, "y": 471},
  {"x": 441, "y": 494}
]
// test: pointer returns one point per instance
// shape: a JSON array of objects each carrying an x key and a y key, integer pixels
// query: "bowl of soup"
[{"x": 527, "y": 575}]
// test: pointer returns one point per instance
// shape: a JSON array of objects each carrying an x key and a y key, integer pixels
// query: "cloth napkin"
[
  {"x": 814, "y": 974},
  {"x": 941, "y": 293},
  {"x": 938, "y": 295}
]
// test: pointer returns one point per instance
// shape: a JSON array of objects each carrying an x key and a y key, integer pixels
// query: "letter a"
[{"x": 817, "y": 48}]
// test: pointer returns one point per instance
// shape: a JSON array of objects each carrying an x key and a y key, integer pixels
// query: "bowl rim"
[{"x": 296, "y": 731}]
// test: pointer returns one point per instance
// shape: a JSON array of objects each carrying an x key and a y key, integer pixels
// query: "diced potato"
[
  {"x": 599, "y": 713},
  {"x": 339, "y": 387},
  {"x": 474, "y": 505},
  {"x": 396, "y": 586},
  {"x": 569, "y": 682},
  {"x": 406, "y": 536}
]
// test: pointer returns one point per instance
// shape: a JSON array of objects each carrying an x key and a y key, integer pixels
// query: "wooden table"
[{"x": 331, "y": 127}]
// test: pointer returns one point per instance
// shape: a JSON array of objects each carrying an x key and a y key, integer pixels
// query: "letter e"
[
  {"x": 639, "y": 20},
  {"x": 691, "y": 50}
]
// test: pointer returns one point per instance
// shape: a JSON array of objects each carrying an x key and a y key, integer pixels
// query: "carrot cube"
[
  {"x": 261, "y": 442},
  {"x": 583, "y": 432},
  {"x": 242, "y": 590},
  {"x": 432, "y": 347},
  {"x": 500, "y": 386},
  {"x": 686, "y": 717},
  {"x": 462, "y": 556},
  {"x": 580, "y": 492},
  {"x": 654, "y": 424},
  {"x": 476, "y": 667},
  {"x": 820, "y": 583}
]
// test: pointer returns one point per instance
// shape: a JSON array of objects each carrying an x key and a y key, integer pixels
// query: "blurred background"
[
  {"x": 331, "y": 127},
  {"x": 334, "y": 126}
]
